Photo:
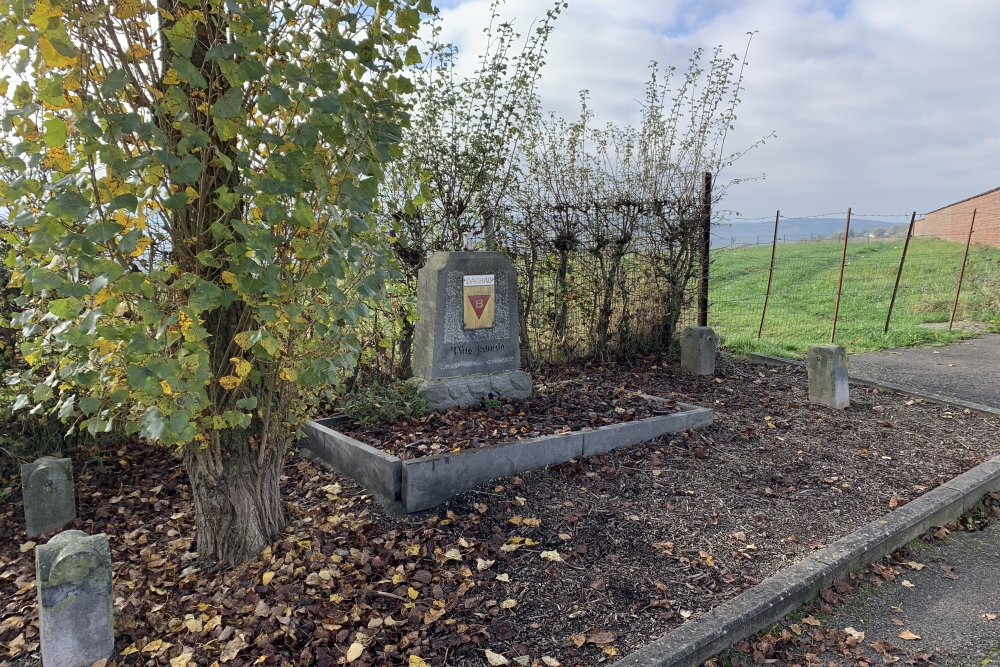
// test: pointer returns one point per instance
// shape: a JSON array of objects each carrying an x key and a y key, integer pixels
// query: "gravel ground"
[{"x": 577, "y": 563}]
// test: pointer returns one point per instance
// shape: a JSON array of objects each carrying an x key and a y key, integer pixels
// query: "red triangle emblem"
[{"x": 478, "y": 302}]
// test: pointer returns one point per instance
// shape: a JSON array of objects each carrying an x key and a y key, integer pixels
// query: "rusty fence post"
[
  {"x": 961, "y": 272},
  {"x": 899, "y": 274},
  {"x": 770, "y": 275},
  {"x": 840, "y": 279},
  {"x": 706, "y": 245}
]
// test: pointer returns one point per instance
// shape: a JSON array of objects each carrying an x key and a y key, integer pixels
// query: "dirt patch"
[
  {"x": 579, "y": 562},
  {"x": 558, "y": 406}
]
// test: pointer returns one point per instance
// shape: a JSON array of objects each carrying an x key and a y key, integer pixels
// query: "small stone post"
[
  {"x": 826, "y": 366},
  {"x": 698, "y": 350},
  {"x": 49, "y": 500},
  {"x": 73, "y": 574}
]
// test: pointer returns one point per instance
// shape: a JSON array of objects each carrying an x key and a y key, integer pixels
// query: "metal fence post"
[
  {"x": 961, "y": 272},
  {"x": 840, "y": 280},
  {"x": 770, "y": 275},
  {"x": 706, "y": 243},
  {"x": 899, "y": 274}
]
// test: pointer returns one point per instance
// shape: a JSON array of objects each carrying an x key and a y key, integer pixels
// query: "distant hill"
[{"x": 792, "y": 229}]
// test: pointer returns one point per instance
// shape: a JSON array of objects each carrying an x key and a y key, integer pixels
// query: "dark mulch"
[
  {"x": 561, "y": 406},
  {"x": 576, "y": 563}
]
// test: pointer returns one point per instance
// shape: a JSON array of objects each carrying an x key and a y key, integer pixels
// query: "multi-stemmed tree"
[{"x": 190, "y": 185}]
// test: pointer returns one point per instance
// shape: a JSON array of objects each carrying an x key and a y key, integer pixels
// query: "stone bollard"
[
  {"x": 698, "y": 350},
  {"x": 73, "y": 574},
  {"x": 827, "y": 369},
  {"x": 49, "y": 501}
]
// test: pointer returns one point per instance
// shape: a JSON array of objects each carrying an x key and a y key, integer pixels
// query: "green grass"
[{"x": 800, "y": 310}]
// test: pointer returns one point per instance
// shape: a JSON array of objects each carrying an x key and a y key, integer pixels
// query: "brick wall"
[{"x": 952, "y": 222}]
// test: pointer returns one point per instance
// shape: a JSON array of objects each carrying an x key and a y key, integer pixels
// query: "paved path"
[
  {"x": 968, "y": 370},
  {"x": 949, "y": 615}
]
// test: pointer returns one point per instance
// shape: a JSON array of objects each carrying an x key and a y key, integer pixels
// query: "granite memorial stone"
[
  {"x": 466, "y": 342},
  {"x": 49, "y": 500},
  {"x": 73, "y": 575},
  {"x": 826, "y": 367}
]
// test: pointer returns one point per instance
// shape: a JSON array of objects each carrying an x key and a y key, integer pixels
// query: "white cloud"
[{"x": 884, "y": 105}]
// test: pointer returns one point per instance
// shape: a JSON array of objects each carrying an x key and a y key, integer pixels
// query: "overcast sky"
[{"x": 887, "y": 106}]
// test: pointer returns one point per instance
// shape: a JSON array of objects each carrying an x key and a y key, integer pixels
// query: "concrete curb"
[
  {"x": 426, "y": 482},
  {"x": 775, "y": 597},
  {"x": 769, "y": 360}
]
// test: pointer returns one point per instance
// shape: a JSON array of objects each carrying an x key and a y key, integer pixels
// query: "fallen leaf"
[
  {"x": 495, "y": 659},
  {"x": 898, "y": 622},
  {"x": 417, "y": 661},
  {"x": 355, "y": 651},
  {"x": 237, "y": 644},
  {"x": 564, "y": 537},
  {"x": 453, "y": 554},
  {"x": 685, "y": 614},
  {"x": 27, "y": 546},
  {"x": 860, "y": 636},
  {"x": 550, "y": 661},
  {"x": 990, "y": 617},
  {"x": 601, "y": 637},
  {"x": 183, "y": 659},
  {"x": 483, "y": 564},
  {"x": 906, "y": 634},
  {"x": 809, "y": 620},
  {"x": 266, "y": 579},
  {"x": 155, "y": 645},
  {"x": 509, "y": 603},
  {"x": 552, "y": 556},
  {"x": 907, "y": 584},
  {"x": 504, "y": 578},
  {"x": 578, "y": 640},
  {"x": 913, "y": 565}
]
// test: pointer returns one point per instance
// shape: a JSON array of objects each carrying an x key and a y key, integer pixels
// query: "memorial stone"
[
  {"x": 467, "y": 340},
  {"x": 49, "y": 500},
  {"x": 826, "y": 367},
  {"x": 73, "y": 575},
  {"x": 698, "y": 350}
]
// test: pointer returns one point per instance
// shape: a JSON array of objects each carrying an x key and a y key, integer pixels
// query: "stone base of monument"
[
  {"x": 426, "y": 482},
  {"x": 470, "y": 389}
]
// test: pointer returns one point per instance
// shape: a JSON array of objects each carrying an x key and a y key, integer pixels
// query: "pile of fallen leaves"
[
  {"x": 570, "y": 565},
  {"x": 555, "y": 407}
]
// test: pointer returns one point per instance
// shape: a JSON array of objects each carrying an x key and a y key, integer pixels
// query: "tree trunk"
[{"x": 237, "y": 497}]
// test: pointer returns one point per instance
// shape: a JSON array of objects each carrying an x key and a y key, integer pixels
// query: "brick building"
[{"x": 952, "y": 222}]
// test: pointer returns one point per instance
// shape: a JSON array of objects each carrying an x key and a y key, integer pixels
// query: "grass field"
[{"x": 800, "y": 310}]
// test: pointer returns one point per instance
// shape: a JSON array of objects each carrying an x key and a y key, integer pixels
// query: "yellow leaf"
[
  {"x": 52, "y": 57},
  {"x": 552, "y": 556},
  {"x": 355, "y": 651},
  {"x": 266, "y": 579},
  {"x": 185, "y": 321},
  {"x": 495, "y": 659},
  {"x": 228, "y": 277},
  {"x": 43, "y": 12},
  {"x": 141, "y": 245},
  {"x": 578, "y": 640},
  {"x": 27, "y": 546},
  {"x": 453, "y": 554},
  {"x": 183, "y": 659},
  {"x": 139, "y": 51},
  {"x": 412, "y": 592},
  {"x": 229, "y": 382},
  {"x": 218, "y": 423},
  {"x": 509, "y": 603},
  {"x": 129, "y": 650},
  {"x": 416, "y": 661},
  {"x": 170, "y": 78},
  {"x": 243, "y": 340},
  {"x": 59, "y": 158},
  {"x": 906, "y": 634},
  {"x": 413, "y": 550},
  {"x": 242, "y": 366},
  {"x": 155, "y": 645},
  {"x": 166, "y": 387},
  {"x": 102, "y": 295},
  {"x": 288, "y": 374}
]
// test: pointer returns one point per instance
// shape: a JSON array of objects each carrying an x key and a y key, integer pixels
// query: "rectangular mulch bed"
[{"x": 577, "y": 563}]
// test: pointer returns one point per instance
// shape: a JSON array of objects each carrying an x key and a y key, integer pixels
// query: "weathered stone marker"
[
  {"x": 698, "y": 350},
  {"x": 49, "y": 500},
  {"x": 73, "y": 574},
  {"x": 826, "y": 366},
  {"x": 466, "y": 342}
]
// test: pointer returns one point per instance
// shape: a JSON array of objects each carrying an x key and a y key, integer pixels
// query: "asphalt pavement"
[
  {"x": 952, "y": 604},
  {"x": 967, "y": 370}
]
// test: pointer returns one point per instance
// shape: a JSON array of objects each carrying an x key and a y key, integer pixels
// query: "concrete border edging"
[
  {"x": 760, "y": 359},
  {"x": 426, "y": 482},
  {"x": 775, "y": 597}
]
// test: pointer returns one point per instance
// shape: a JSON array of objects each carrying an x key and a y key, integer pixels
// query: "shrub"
[{"x": 378, "y": 403}]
